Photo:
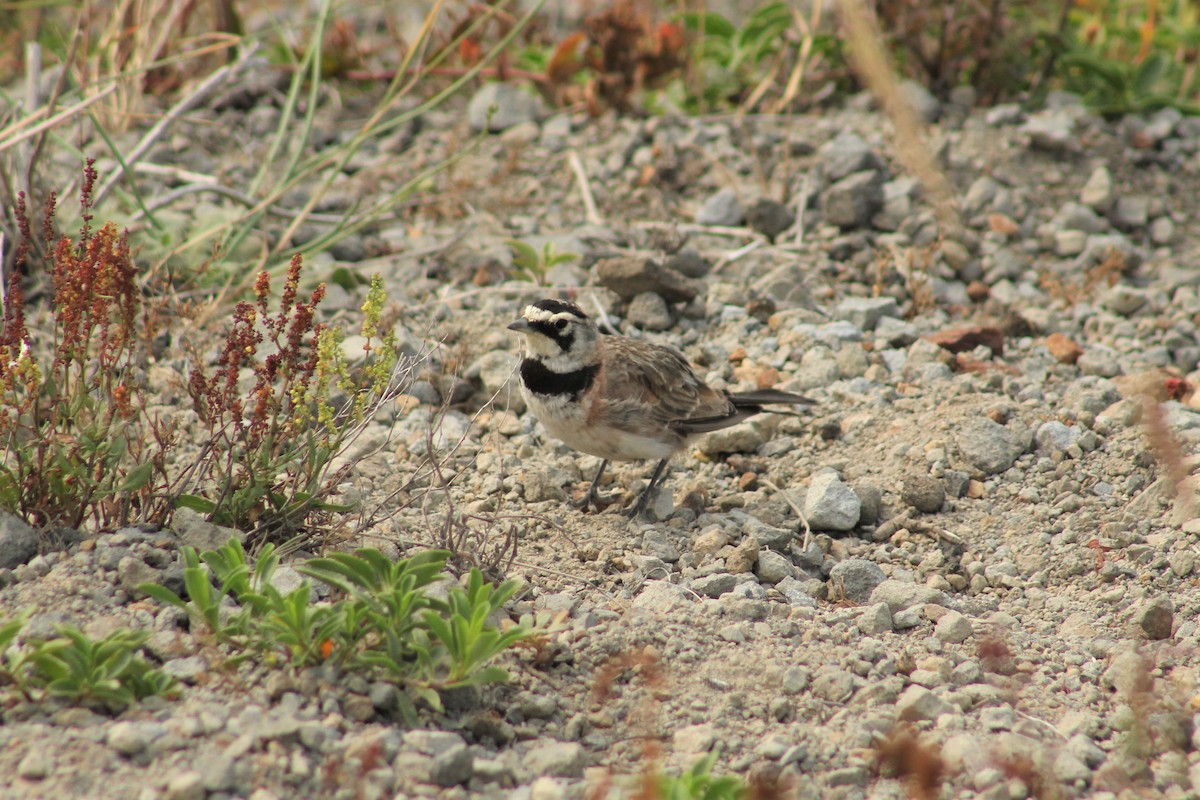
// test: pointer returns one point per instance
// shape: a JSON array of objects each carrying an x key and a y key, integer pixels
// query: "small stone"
[
  {"x": 986, "y": 445},
  {"x": 852, "y": 201},
  {"x": 833, "y": 684},
  {"x": 723, "y": 209},
  {"x": 924, "y": 493},
  {"x": 131, "y": 738},
  {"x": 953, "y": 628},
  {"x": 1132, "y": 212},
  {"x": 132, "y": 571},
  {"x": 186, "y": 785},
  {"x": 1053, "y": 437},
  {"x": 193, "y": 529},
  {"x": 744, "y": 556},
  {"x": 630, "y": 276},
  {"x": 870, "y": 498},
  {"x": 556, "y": 759},
  {"x": 649, "y": 311},
  {"x": 855, "y": 579},
  {"x": 714, "y": 585},
  {"x": 1099, "y": 360},
  {"x": 1156, "y": 620},
  {"x": 769, "y": 217},
  {"x": 689, "y": 263},
  {"x": 35, "y": 765},
  {"x": 1063, "y": 348},
  {"x": 658, "y": 544},
  {"x": 18, "y": 541},
  {"x": 831, "y": 505},
  {"x": 1052, "y": 130},
  {"x": 917, "y": 703},
  {"x": 900, "y": 595},
  {"x": 773, "y": 567},
  {"x": 865, "y": 312},
  {"x": 847, "y": 153},
  {"x": 1097, "y": 193},
  {"x": 876, "y": 619},
  {"x": 545, "y": 788},
  {"x": 187, "y": 670},
  {"x": 694, "y": 739},
  {"x": 1128, "y": 673},
  {"x": 452, "y": 767}
]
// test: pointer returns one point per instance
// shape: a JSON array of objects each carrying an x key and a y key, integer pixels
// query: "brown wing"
[{"x": 645, "y": 380}]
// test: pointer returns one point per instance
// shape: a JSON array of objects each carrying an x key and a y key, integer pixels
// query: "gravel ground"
[{"x": 996, "y": 561}]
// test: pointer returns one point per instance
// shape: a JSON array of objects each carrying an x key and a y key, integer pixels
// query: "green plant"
[
  {"x": 270, "y": 439},
  {"x": 77, "y": 444},
  {"x": 1123, "y": 57},
  {"x": 698, "y": 783},
  {"x": 389, "y": 622},
  {"x": 107, "y": 673},
  {"x": 532, "y": 265}
]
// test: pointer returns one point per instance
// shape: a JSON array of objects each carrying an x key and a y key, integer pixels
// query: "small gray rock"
[
  {"x": 928, "y": 107},
  {"x": 953, "y": 628},
  {"x": 649, "y": 312},
  {"x": 630, "y": 276},
  {"x": 1131, "y": 212},
  {"x": 723, "y": 208},
  {"x": 35, "y": 765},
  {"x": 187, "y": 669},
  {"x": 18, "y": 541},
  {"x": 855, "y": 579},
  {"x": 132, "y": 571},
  {"x": 987, "y": 446},
  {"x": 875, "y": 619},
  {"x": 1055, "y": 437},
  {"x": 866, "y": 312},
  {"x": 1052, "y": 130},
  {"x": 924, "y": 493},
  {"x": 1156, "y": 619},
  {"x": 900, "y": 595},
  {"x": 852, "y": 201},
  {"x": 193, "y": 529},
  {"x": 831, "y": 505},
  {"x": 689, "y": 263},
  {"x": 556, "y": 759},
  {"x": 131, "y": 738},
  {"x": 185, "y": 785},
  {"x": 769, "y": 217},
  {"x": 1097, "y": 193},
  {"x": 714, "y": 585},
  {"x": 845, "y": 154},
  {"x": 1099, "y": 360},
  {"x": 917, "y": 703},
  {"x": 773, "y": 567},
  {"x": 870, "y": 498},
  {"x": 513, "y": 106}
]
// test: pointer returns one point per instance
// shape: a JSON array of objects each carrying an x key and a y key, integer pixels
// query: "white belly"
[{"x": 565, "y": 422}]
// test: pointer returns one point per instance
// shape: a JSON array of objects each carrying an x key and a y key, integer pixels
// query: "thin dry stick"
[
  {"x": 871, "y": 64},
  {"x": 585, "y": 189},
  {"x": 57, "y": 119},
  {"x": 179, "y": 109},
  {"x": 734, "y": 255},
  {"x": 787, "y": 498},
  {"x": 690, "y": 227}
]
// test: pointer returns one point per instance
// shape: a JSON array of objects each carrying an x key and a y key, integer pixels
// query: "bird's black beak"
[{"x": 521, "y": 326}]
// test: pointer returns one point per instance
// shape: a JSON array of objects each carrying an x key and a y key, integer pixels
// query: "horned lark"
[{"x": 618, "y": 398}]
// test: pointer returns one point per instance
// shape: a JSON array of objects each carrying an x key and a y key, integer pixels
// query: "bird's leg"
[
  {"x": 592, "y": 498},
  {"x": 639, "y": 507}
]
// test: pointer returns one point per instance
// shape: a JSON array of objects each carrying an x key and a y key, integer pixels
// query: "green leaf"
[
  {"x": 711, "y": 23},
  {"x": 162, "y": 594},
  {"x": 137, "y": 477},
  {"x": 195, "y": 503}
]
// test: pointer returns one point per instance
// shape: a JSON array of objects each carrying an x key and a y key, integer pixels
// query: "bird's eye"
[{"x": 560, "y": 324}]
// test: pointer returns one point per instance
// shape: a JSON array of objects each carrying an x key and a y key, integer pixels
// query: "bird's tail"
[{"x": 769, "y": 397}]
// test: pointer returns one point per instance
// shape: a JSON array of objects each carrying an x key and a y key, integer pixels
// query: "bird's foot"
[{"x": 597, "y": 501}]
